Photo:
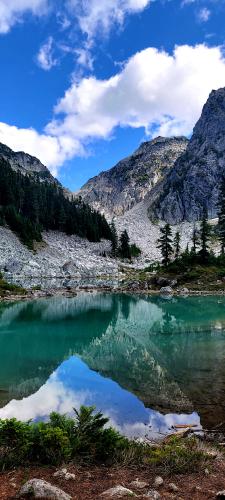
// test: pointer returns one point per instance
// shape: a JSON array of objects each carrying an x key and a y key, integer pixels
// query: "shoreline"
[{"x": 71, "y": 293}]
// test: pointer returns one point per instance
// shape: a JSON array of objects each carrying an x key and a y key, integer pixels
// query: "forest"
[{"x": 29, "y": 206}]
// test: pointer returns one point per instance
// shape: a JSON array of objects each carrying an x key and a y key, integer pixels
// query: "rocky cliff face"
[
  {"x": 193, "y": 183},
  {"x": 26, "y": 164},
  {"x": 120, "y": 188}
]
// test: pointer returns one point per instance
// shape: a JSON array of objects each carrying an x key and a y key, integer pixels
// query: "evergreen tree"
[
  {"x": 221, "y": 216},
  {"x": 205, "y": 233},
  {"x": 125, "y": 245},
  {"x": 28, "y": 206},
  {"x": 177, "y": 244},
  {"x": 165, "y": 243},
  {"x": 114, "y": 239}
]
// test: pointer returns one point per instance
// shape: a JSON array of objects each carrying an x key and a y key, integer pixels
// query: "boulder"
[
  {"x": 166, "y": 290},
  {"x": 138, "y": 484},
  {"x": 153, "y": 495},
  {"x": 158, "y": 481},
  {"x": 38, "y": 488},
  {"x": 184, "y": 291},
  {"x": 118, "y": 492}
]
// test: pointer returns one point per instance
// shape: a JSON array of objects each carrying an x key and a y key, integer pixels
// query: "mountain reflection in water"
[{"x": 147, "y": 363}]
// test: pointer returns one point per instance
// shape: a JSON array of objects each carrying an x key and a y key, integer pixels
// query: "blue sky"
[{"x": 84, "y": 82}]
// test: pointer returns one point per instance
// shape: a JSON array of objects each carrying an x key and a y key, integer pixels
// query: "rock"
[
  {"x": 158, "y": 481},
  {"x": 138, "y": 484},
  {"x": 163, "y": 282},
  {"x": 220, "y": 494},
  {"x": 37, "y": 488},
  {"x": 173, "y": 487},
  {"x": 125, "y": 185},
  {"x": 153, "y": 495},
  {"x": 194, "y": 181},
  {"x": 166, "y": 290},
  {"x": 118, "y": 492},
  {"x": 13, "y": 266},
  {"x": 184, "y": 291},
  {"x": 27, "y": 164},
  {"x": 64, "y": 474}
]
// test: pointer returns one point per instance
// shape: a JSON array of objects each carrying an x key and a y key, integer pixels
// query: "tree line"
[
  {"x": 170, "y": 246},
  {"x": 29, "y": 206}
]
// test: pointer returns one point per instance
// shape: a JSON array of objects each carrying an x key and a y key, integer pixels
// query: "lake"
[{"x": 147, "y": 363}]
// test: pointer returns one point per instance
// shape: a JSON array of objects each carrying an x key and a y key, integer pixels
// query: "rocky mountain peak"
[
  {"x": 193, "y": 183},
  {"x": 26, "y": 164},
  {"x": 120, "y": 188}
]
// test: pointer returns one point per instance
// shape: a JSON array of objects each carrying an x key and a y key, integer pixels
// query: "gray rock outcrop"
[
  {"x": 26, "y": 164},
  {"x": 123, "y": 186},
  {"x": 192, "y": 184}
]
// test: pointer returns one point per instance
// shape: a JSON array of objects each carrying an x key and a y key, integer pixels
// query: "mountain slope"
[
  {"x": 26, "y": 164},
  {"x": 123, "y": 186},
  {"x": 193, "y": 183}
]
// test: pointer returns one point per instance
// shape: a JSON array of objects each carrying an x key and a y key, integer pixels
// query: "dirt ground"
[{"x": 91, "y": 482}]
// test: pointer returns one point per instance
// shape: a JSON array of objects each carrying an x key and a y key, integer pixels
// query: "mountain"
[
  {"x": 26, "y": 164},
  {"x": 193, "y": 183},
  {"x": 117, "y": 190}
]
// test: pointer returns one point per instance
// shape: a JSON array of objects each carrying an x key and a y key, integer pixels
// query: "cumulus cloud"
[
  {"x": 164, "y": 93},
  {"x": 153, "y": 89},
  {"x": 12, "y": 11},
  {"x": 52, "y": 151},
  {"x": 45, "y": 57},
  {"x": 94, "y": 15}
]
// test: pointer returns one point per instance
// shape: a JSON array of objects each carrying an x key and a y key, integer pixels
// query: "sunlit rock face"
[
  {"x": 123, "y": 186},
  {"x": 193, "y": 183}
]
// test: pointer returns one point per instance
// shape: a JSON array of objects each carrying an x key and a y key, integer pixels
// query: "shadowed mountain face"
[
  {"x": 169, "y": 354},
  {"x": 193, "y": 183},
  {"x": 120, "y": 188}
]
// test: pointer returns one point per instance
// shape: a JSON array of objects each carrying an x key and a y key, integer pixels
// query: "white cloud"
[
  {"x": 153, "y": 88},
  {"x": 52, "y": 151},
  {"x": 45, "y": 57},
  {"x": 204, "y": 15},
  {"x": 12, "y": 11},
  {"x": 94, "y": 15},
  {"x": 163, "y": 93}
]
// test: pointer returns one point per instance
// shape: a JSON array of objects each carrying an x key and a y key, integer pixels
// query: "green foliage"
[
  {"x": 59, "y": 440},
  {"x": 221, "y": 215},
  {"x": 28, "y": 206},
  {"x": 135, "y": 251},
  {"x": 165, "y": 243},
  {"x": 6, "y": 287},
  {"x": 178, "y": 456},
  {"x": 124, "y": 248},
  {"x": 177, "y": 244},
  {"x": 205, "y": 233}
]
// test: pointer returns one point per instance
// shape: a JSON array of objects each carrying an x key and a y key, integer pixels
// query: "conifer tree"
[
  {"x": 177, "y": 244},
  {"x": 125, "y": 245},
  {"x": 114, "y": 239},
  {"x": 195, "y": 239},
  {"x": 205, "y": 233},
  {"x": 165, "y": 243},
  {"x": 221, "y": 216}
]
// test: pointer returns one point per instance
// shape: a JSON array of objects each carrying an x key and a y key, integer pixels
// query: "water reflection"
[
  {"x": 74, "y": 384},
  {"x": 125, "y": 354}
]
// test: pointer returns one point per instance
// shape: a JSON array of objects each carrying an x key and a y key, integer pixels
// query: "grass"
[{"x": 87, "y": 439}]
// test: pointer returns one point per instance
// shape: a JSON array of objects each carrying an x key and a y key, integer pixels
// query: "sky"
[{"x": 84, "y": 82}]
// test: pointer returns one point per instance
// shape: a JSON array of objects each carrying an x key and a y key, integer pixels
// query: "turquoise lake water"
[{"x": 147, "y": 363}]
